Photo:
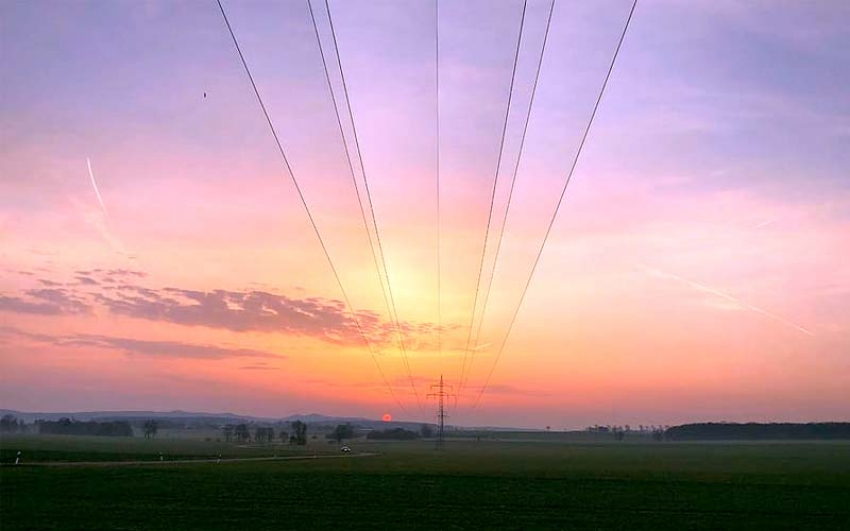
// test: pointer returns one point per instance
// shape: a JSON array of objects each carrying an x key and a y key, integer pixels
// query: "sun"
[{"x": 387, "y": 417}]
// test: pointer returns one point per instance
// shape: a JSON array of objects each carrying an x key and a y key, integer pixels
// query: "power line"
[
  {"x": 306, "y": 207},
  {"x": 560, "y": 200},
  {"x": 390, "y": 308},
  {"x": 371, "y": 205},
  {"x": 441, "y": 394},
  {"x": 493, "y": 196},
  {"x": 439, "y": 218},
  {"x": 513, "y": 182}
]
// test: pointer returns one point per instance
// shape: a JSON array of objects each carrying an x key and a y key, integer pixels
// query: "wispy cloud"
[
  {"x": 94, "y": 185},
  {"x": 164, "y": 349},
  {"x": 258, "y": 367},
  {"x": 142, "y": 347},
  {"x": 239, "y": 311},
  {"x": 504, "y": 389},
  {"x": 706, "y": 289},
  {"x": 45, "y": 301}
]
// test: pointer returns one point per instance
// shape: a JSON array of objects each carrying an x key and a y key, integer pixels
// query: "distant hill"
[
  {"x": 754, "y": 431},
  {"x": 124, "y": 415}
]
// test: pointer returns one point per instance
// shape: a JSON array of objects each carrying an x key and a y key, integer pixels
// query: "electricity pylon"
[{"x": 441, "y": 395}]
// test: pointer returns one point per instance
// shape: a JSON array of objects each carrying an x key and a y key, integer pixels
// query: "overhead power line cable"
[
  {"x": 513, "y": 183},
  {"x": 558, "y": 206},
  {"x": 387, "y": 300},
  {"x": 439, "y": 216},
  {"x": 493, "y": 196},
  {"x": 307, "y": 208}
]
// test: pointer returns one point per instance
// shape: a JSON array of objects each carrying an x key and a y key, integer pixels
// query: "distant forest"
[
  {"x": 753, "y": 431},
  {"x": 64, "y": 426},
  {"x": 395, "y": 434}
]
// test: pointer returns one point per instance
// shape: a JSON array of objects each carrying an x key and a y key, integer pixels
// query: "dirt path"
[{"x": 190, "y": 461}]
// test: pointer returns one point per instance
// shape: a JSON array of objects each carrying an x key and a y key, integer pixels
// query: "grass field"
[{"x": 469, "y": 485}]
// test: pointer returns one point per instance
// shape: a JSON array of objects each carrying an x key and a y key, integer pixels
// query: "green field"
[{"x": 469, "y": 485}]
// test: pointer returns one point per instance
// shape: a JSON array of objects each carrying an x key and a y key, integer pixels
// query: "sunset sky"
[{"x": 699, "y": 268}]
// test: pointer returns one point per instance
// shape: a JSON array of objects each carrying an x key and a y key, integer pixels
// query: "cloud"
[
  {"x": 94, "y": 185},
  {"x": 729, "y": 299},
  {"x": 504, "y": 389},
  {"x": 52, "y": 301},
  {"x": 240, "y": 311},
  {"x": 60, "y": 297},
  {"x": 87, "y": 280},
  {"x": 11, "y": 331},
  {"x": 18, "y": 305},
  {"x": 164, "y": 349},
  {"x": 144, "y": 348},
  {"x": 258, "y": 367},
  {"x": 258, "y": 311},
  {"x": 113, "y": 274},
  {"x": 126, "y": 273}
]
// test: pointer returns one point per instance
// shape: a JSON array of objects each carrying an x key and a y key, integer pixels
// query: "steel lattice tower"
[{"x": 440, "y": 395}]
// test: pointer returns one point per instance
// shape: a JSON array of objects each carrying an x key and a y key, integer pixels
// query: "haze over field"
[{"x": 154, "y": 254}]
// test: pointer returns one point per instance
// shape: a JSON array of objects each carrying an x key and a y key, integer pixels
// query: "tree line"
[
  {"x": 241, "y": 433},
  {"x": 11, "y": 424},
  {"x": 66, "y": 426},
  {"x": 395, "y": 434},
  {"x": 755, "y": 431}
]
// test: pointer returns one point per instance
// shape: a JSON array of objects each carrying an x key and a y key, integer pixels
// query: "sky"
[{"x": 155, "y": 253}]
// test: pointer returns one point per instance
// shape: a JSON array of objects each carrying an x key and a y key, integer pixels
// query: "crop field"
[{"x": 468, "y": 485}]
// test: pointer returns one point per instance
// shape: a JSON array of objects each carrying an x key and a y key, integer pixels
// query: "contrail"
[
  {"x": 706, "y": 289},
  {"x": 100, "y": 222},
  {"x": 94, "y": 185},
  {"x": 764, "y": 224}
]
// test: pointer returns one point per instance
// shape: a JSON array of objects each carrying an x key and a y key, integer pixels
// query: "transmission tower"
[{"x": 440, "y": 394}]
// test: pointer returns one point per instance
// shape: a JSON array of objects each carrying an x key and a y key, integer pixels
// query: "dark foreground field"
[{"x": 496, "y": 485}]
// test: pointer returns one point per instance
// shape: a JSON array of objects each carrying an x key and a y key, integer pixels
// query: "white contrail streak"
[
  {"x": 94, "y": 185},
  {"x": 764, "y": 224},
  {"x": 706, "y": 289}
]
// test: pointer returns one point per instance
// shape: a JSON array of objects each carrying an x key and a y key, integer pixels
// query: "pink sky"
[{"x": 697, "y": 269}]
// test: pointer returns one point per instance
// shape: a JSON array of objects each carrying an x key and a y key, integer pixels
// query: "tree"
[
  {"x": 264, "y": 435},
  {"x": 150, "y": 427},
  {"x": 242, "y": 433},
  {"x": 228, "y": 432},
  {"x": 342, "y": 432},
  {"x": 300, "y": 433},
  {"x": 426, "y": 431},
  {"x": 9, "y": 423}
]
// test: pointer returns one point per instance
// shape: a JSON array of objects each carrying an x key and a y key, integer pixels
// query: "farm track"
[{"x": 64, "y": 464}]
